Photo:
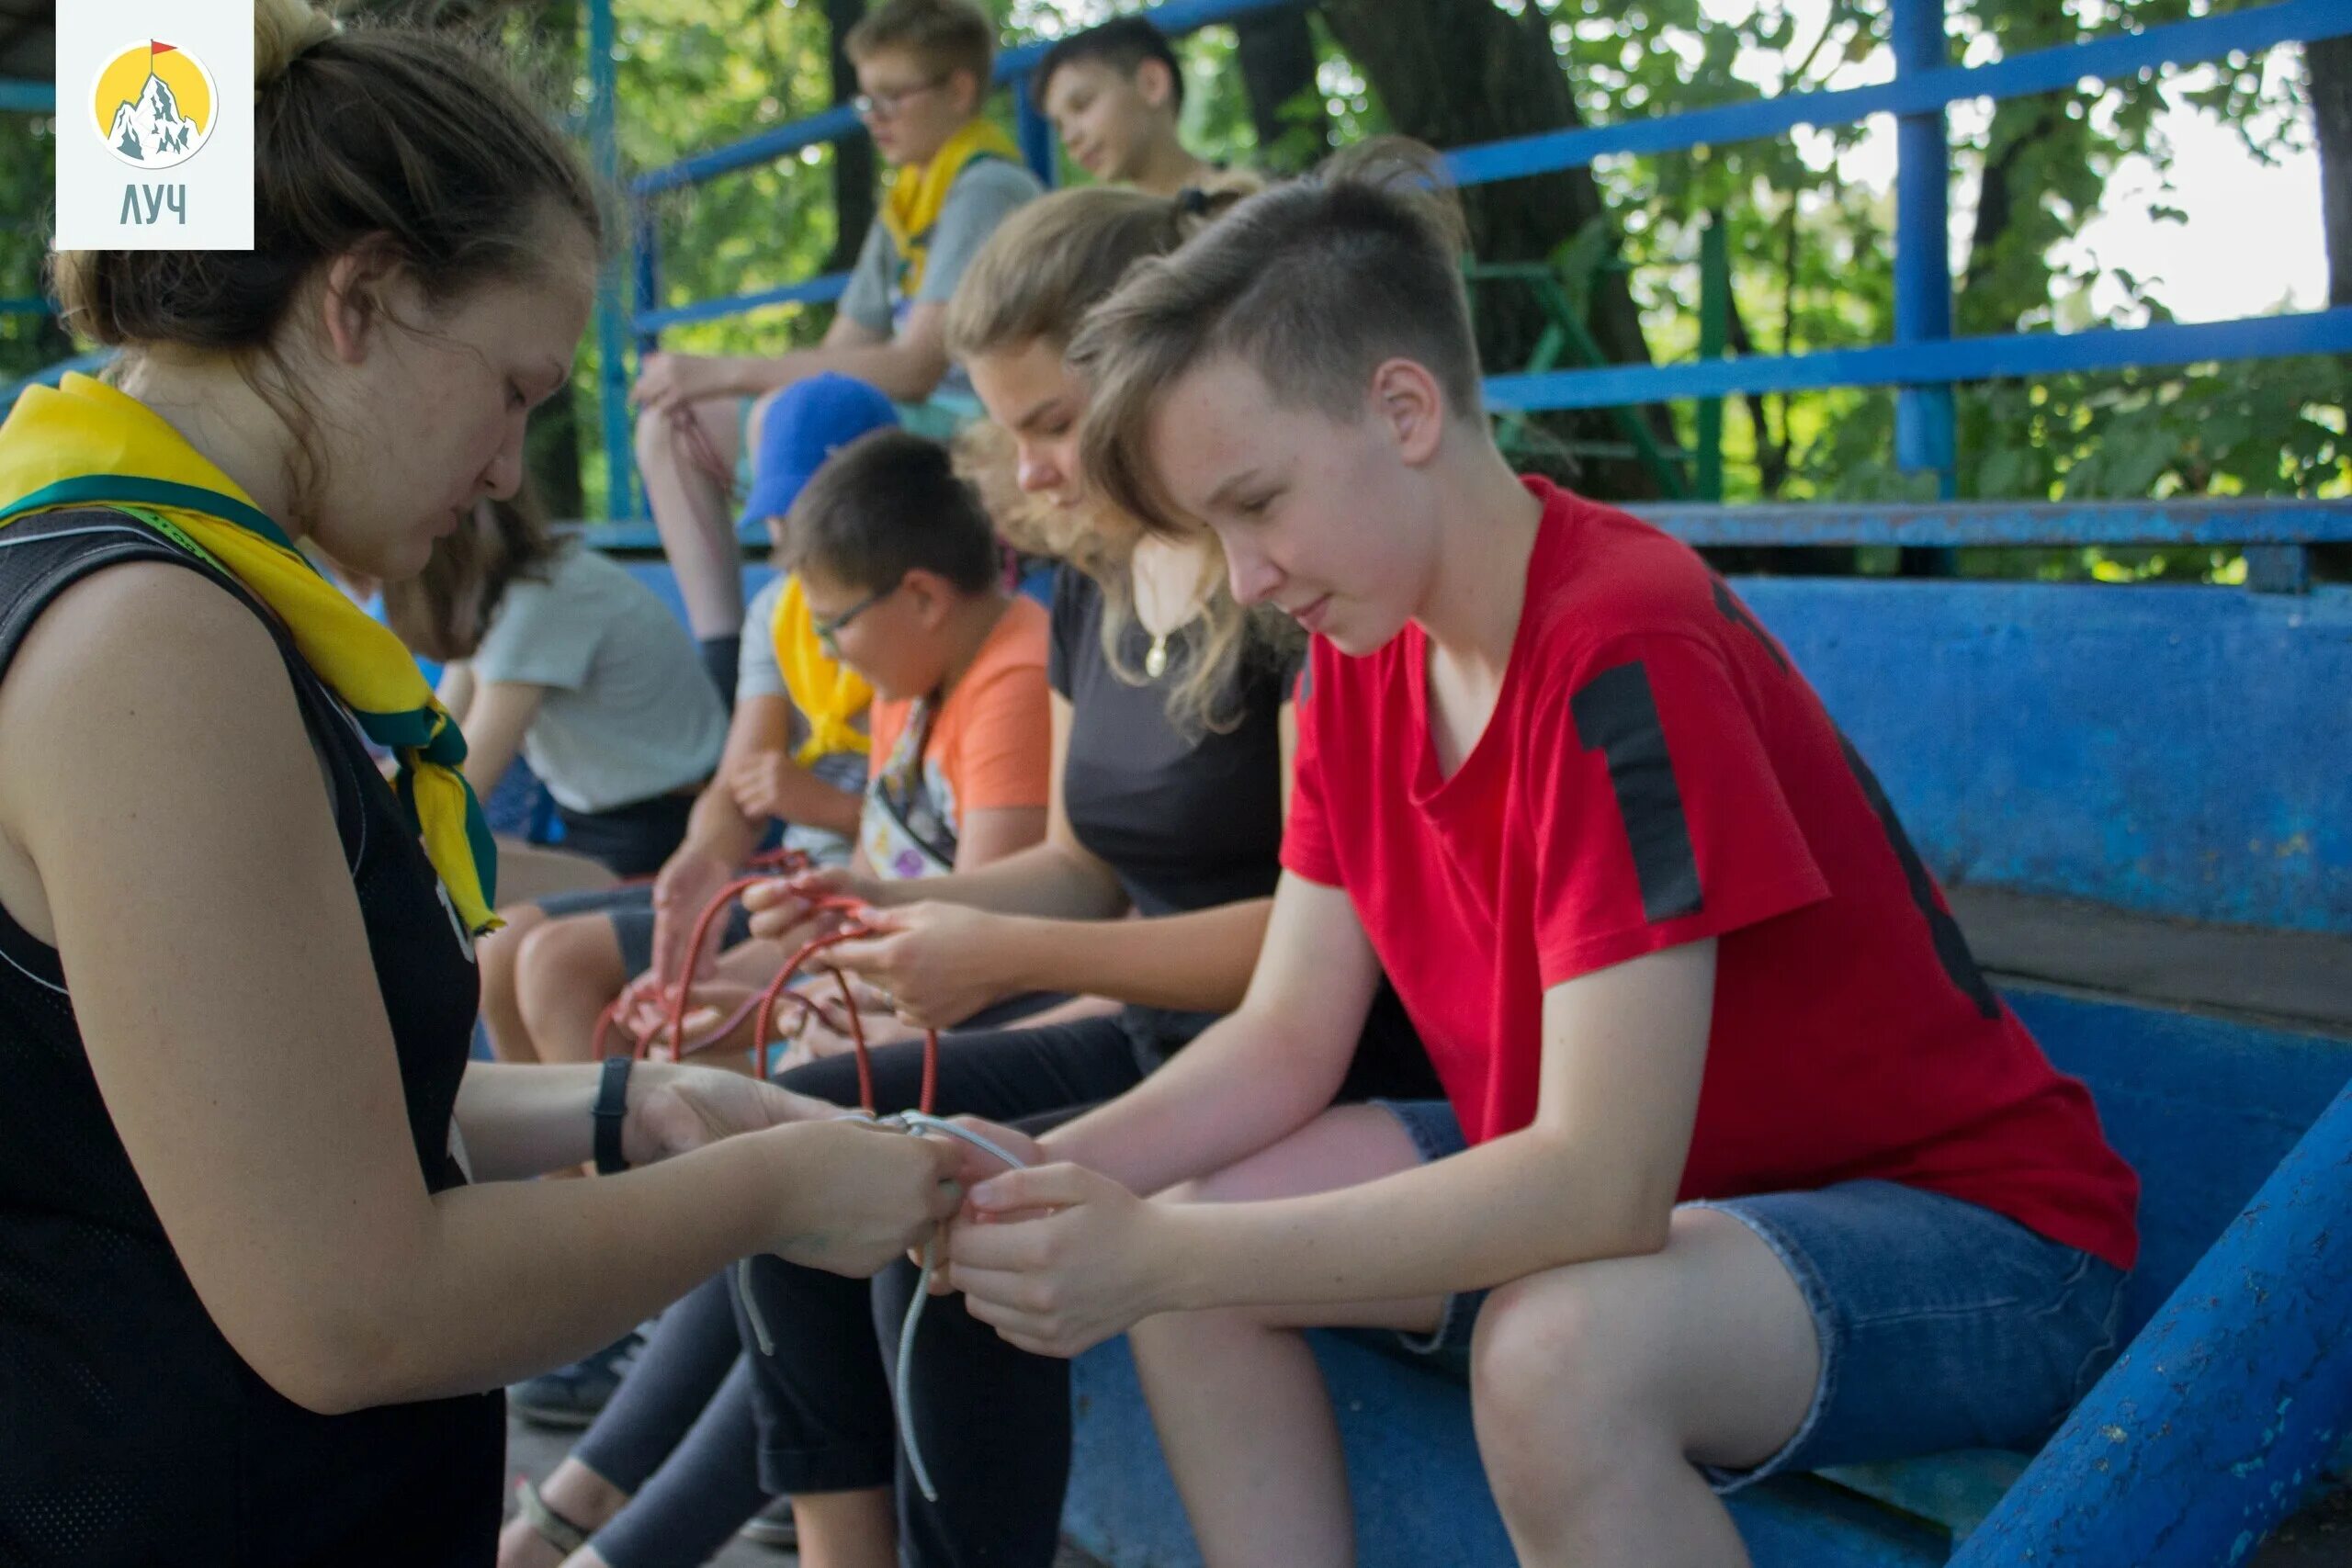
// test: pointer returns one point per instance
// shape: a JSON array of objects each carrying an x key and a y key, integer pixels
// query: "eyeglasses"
[
  {"x": 885, "y": 105},
  {"x": 828, "y": 631}
]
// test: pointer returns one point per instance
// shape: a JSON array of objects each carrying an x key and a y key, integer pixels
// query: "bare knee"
[
  {"x": 502, "y": 949},
  {"x": 564, "y": 961},
  {"x": 1555, "y": 1387}
]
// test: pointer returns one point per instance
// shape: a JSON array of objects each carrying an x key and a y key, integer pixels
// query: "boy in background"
[
  {"x": 1115, "y": 94},
  {"x": 922, "y": 73}
]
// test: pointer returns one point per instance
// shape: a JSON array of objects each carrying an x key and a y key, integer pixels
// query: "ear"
[
  {"x": 1154, "y": 84},
  {"x": 931, "y": 597},
  {"x": 1411, "y": 406},
  {"x": 354, "y": 302},
  {"x": 966, "y": 91}
]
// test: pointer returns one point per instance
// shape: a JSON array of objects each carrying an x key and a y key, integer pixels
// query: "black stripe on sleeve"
[{"x": 1616, "y": 714}]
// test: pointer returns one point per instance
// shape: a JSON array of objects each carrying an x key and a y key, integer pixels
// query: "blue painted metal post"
[
  {"x": 28, "y": 98},
  {"x": 1926, "y": 437},
  {"x": 612, "y": 317},
  {"x": 1036, "y": 134},
  {"x": 2225, "y": 1408}
]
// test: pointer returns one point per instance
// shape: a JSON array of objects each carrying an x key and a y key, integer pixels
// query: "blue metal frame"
[
  {"x": 1926, "y": 424},
  {"x": 1923, "y": 361},
  {"x": 1959, "y": 359},
  {"x": 2040, "y": 71},
  {"x": 612, "y": 324},
  {"x": 28, "y": 98}
]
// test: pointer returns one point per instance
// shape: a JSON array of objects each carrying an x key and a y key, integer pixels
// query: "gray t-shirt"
[
  {"x": 978, "y": 201},
  {"x": 756, "y": 671},
  {"x": 757, "y": 674},
  {"x": 628, "y": 712}
]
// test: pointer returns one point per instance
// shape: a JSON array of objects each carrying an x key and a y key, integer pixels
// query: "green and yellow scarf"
[
  {"x": 830, "y": 696},
  {"x": 85, "y": 444},
  {"x": 911, "y": 209}
]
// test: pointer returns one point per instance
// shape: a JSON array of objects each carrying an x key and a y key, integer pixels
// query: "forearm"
[
  {"x": 1043, "y": 880},
  {"x": 1500, "y": 1211},
  {"x": 717, "y": 827},
  {"x": 1199, "y": 961},
  {"x": 1240, "y": 1088},
  {"x": 510, "y": 1277},
  {"x": 521, "y": 1121},
  {"x": 900, "y": 372},
  {"x": 1076, "y": 1010},
  {"x": 807, "y": 801}
]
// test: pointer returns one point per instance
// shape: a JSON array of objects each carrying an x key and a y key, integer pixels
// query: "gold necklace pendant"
[{"x": 1155, "y": 658}]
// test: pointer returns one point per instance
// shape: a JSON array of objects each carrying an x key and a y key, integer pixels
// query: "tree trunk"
[
  {"x": 853, "y": 155},
  {"x": 2327, "y": 66},
  {"x": 1453, "y": 73},
  {"x": 1277, "y": 50}
]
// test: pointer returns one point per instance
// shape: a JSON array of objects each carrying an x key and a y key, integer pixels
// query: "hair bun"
[{"x": 282, "y": 30}]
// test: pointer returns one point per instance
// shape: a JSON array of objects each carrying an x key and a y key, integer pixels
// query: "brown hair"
[
  {"x": 446, "y": 610},
  {"x": 888, "y": 504},
  {"x": 948, "y": 35},
  {"x": 383, "y": 136},
  {"x": 1313, "y": 283},
  {"x": 1045, "y": 266}
]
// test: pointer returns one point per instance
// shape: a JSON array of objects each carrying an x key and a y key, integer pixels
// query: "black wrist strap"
[{"x": 611, "y": 1111}]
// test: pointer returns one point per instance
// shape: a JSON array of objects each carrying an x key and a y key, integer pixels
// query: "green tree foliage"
[{"x": 1810, "y": 247}]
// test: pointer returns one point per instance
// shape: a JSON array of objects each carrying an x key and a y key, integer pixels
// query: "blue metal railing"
[
  {"x": 1923, "y": 362},
  {"x": 27, "y": 97}
]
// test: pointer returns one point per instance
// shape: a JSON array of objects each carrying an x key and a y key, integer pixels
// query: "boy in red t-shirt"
[{"x": 1743, "y": 1166}]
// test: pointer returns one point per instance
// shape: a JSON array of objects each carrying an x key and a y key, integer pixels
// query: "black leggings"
[
  {"x": 678, "y": 1437},
  {"x": 994, "y": 1421},
  {"x": 683, "y": 1434}
]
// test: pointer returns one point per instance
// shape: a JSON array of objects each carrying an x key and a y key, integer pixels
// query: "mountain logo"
[{"x": 155, "y": 105}]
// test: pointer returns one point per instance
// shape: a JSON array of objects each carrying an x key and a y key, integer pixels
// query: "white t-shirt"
[{"x": 630, "y": 712}]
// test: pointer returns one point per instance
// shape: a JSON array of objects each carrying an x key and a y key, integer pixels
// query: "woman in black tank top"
[{"x": 249, "y": 1295}]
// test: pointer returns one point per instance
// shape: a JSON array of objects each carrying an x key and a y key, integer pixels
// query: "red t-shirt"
[{"x": 1657, "y": 772}]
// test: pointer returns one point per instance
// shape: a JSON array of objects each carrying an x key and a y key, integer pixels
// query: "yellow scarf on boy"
[
  {"x": 917, "y": 193},
  {"x": 85, "y": 444},
  {"x": 829, "y": 695}
]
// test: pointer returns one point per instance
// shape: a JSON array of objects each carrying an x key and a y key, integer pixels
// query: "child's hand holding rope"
[{"x": 1057, "y": 1258}]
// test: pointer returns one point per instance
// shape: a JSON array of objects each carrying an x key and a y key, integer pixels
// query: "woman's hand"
[
  {"x": 1089, "y": 1261},
  {"x": 938, "y": 963},
  {"x": 672, "y": 1109},
  {"x": 784, "y": 909},
  {"x": 866, "y": 1194}
]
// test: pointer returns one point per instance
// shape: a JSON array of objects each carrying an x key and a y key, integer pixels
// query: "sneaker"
[
  {"x": 773, "y": 1526},
  {"x": 569, "y": 1397}
]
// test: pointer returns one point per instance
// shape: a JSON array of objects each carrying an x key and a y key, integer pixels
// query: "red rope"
[{"x": 762, "y": 1007}]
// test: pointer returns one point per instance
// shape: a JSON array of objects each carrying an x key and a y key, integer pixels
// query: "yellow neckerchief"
[
  {"x": 85, "y": 444},
  {"x": 830, "y": 696},
  {"x": 919, "y": 191}
]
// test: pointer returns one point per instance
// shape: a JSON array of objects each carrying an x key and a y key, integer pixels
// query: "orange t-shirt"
[{"x": 989, "y": 747}]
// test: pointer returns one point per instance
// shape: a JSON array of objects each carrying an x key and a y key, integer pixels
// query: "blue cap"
[{"x": 807, "y": 422}]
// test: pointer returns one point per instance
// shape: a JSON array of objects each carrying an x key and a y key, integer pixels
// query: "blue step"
[{"x": 2203, "y": 1106}]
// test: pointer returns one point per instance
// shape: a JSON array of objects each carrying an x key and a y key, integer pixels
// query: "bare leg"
[
  {"x": 1238, "y": 1400},
  {"x": 1597, "y": 1386},
  {"x": 691, "y": 510},
  {"x": 528, "y": 871},
  {"x": 847, "y": 1529},
  {"x": 573, "y": 1492},
  {"x": 502, "y": 1014},
  {"x": 566, "y": 972}
]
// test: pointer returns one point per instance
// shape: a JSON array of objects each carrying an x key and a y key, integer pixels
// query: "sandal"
[{"x": 546, "y": 1523}]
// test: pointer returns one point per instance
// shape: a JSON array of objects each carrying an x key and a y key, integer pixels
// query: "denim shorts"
[{"x": 1942, "y": 1324}]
